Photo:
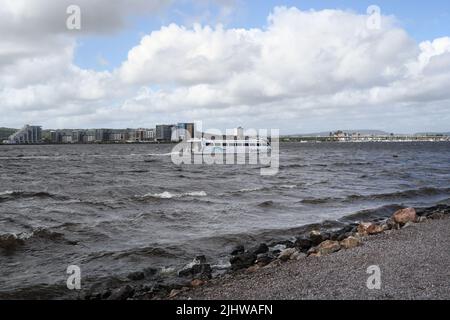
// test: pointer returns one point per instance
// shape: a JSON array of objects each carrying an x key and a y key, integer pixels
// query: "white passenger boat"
[{"x": 211, "y": 146}]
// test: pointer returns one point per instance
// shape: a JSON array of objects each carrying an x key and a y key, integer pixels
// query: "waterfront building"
[
  {"x": 27, "y": 135},
  {"x": 183, "y": 131},
  {"x": 164, "y": 132}
]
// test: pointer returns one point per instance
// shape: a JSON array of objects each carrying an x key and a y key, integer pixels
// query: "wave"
[
  {"x": 169, "y": 195},
  {"x": 13, "y": 195},
  {"x": 12, "y": 241},
  {"x": 407, "y": 194}
]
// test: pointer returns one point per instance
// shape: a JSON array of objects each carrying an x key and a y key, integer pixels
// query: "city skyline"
[{"x": 301, "y": 66}]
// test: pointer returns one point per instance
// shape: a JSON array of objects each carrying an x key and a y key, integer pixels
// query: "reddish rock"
[
  {"x": 197, "y": 283},
  {"x": 404, "y": 216},
  {"x": 350, "y": 242},
  {"x": 328, "y": 247},
  {"x": 369, "y": 228}
]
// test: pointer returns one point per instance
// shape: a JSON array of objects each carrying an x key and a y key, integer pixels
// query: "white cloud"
[{"x": 304, "y": 69}]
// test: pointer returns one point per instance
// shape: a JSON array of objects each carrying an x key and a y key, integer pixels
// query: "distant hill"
[
  {"x": 6, "y": 132},
  {"x": 432, "y": 133},
  {"x": 327, "y": 133}
]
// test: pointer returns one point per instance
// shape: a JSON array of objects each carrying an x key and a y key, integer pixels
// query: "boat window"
[
  {"x": 208, "y": 144},
  {"x": 246, "y": 144}
]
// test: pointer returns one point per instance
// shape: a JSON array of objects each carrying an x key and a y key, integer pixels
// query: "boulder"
[
  {"x": 264, "y": 259},
  {"x": 404, "y": 216},
  {"x": 242, "y": 261},
  {"x": 197, "y": 268},
  {"x": 303, "y": 244},
  {"x": 369, "y": 228},
  {"x": 328, "y": 247},
  {"x": 136, "y": 276},
  {"x": 122, "y": 293},
  {"x": 298, "y": 256},
  {"x": 239, "y": 249},
  {"x": 350, "y": 242},
  {"x": 436, "y": 216},
  {"x": 316, "y": 237},
  {"x": 286, "y": 254},
  {"x": 197, "y": 283},
  {"x": 261, "y": 248}
]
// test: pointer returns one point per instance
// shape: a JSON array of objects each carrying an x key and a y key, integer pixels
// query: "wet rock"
[
  {"x": 316, "y": 237},
  {"x": 198, "y": 267},
  {"x": 150, "y": 272},
  {"x": 264, "y": 259},
  {"x": 261, "y": 248},
  {"x": 303, "y": 244},
  {"x": 404, "y": 216},
  {"x": 350, "y": 242},
  {"x": 328, "y": 247},
  {"x": 242, "y": 261},
  {"x": 122, "y": 293},
  {"x": 286, "y": 254},
  {"x": 200, "y": 259},
  {"x": 369, "y": 228},
  {"x": 136, "y": 276},
  {"x": 239, "y": 249},
  {"x": 282, "y": 244}
]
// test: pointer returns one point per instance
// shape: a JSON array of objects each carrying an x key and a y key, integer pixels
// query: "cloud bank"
[{"x": 303, "y": 71}]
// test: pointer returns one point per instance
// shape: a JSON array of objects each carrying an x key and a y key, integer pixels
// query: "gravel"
[{"x": 414, "y": 264}]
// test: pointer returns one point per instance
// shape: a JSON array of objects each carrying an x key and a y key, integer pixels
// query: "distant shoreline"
[{"x": 173, "y": 143}]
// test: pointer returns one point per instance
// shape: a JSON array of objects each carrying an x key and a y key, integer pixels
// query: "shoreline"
[
  {"x": 321, "y": 256},
  {"x": 413, "y": 260}
]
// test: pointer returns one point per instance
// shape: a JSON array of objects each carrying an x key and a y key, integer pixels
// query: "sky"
[{"x": 297, "y": 66}]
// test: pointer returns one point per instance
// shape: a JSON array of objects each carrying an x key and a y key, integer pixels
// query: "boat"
[{"x": 212, "y": 146}]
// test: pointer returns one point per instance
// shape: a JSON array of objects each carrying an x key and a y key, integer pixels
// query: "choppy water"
[{"x": 112, "y": 209}]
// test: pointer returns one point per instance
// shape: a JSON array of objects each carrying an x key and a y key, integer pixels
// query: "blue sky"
[{"x": 424, "y": 20}]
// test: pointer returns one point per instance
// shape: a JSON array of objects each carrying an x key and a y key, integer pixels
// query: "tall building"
[
  {"x": 27, "y": 135},
  {"x": 183, "y": 131},
  {"x": 164, "y": 132}
]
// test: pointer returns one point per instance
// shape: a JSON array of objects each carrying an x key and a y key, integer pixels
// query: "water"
[{"x": 113, "y": 209}]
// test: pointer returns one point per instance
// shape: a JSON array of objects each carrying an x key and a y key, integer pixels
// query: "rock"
[
  {"x": 350, "y": 242},
  {"x": 405, "y": 215},
  {"x": 122, "y": 293},
  {"x": 253, "y": 268},
  {"x": 264, "y": 259},
  {"x": 197, "y": 283},
  {"x": 261, "y": 248},
  {"x": 369, "y": 228},
  {"x": 436, "y": 216},
  {"x": 391, "y": 224},
  {"x": 286, "y": 254},
  {"x": 421, "y": 219},
  {"x": 303, "y": 244},
  {"x": 136, "y": 276},
  {"x": 315, "y": 237},
  {"x": 239, "y": 249},
  {"x": 242, "y": 261},
  {"x": 202, "y": 269},
  {"x": 298, "y": 256},
  {"x": 200, "y": 259},
  {"x": 282, "y": 244},
  {"x": 174, "y": 293},
  {"x": 150, "y": 272},
  {"x": 328, "y": 247}
]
